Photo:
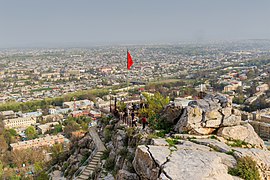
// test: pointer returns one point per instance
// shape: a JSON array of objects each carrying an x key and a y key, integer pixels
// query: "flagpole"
[
  {"x": 127, "y": 89},
  {"x": 127, "y": 73}
]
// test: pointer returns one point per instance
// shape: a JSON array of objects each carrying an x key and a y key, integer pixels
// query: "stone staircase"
[
  {"x": 91, "y": 167},
  {"x": 95, "y": 161}
]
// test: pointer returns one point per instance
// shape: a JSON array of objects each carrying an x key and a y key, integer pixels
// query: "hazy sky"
[{"x": 74, "y": 22}]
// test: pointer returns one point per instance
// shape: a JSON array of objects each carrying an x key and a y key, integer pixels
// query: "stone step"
[
  {"x": 88, "y": 170},
  {"x": 91, "y": 167},
  {"x": 80, "y": 178},
  {"x": 98, "y": 155},
  {"x": 96, "y": 158},
  {"x": 87, "y": 173},
  {"x": 83, "y": 177}
]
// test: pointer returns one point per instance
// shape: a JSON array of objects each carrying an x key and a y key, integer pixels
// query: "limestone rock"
[
  {"x": 203, "y": 116},
  {"x": 196, "y": 164},
  {"x": 232, "y": 120},
  {"x": 191, "y": 120},
  {"x": 125, "y": 175},
  {"x": 144, "y": 165},
  {"x": 215, "y": 144},
  {"x": 159, "y": 142},
  {"x": 188, "y": 161},
  {"x": 243, "y": 132},
  {"x": 171, "y": 114}
]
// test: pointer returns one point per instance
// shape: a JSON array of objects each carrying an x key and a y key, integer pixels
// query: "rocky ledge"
[{"x": 196, "y": 159}]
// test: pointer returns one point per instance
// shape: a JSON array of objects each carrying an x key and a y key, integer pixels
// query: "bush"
[
  {"x": 106, "y": 154},
  {"x": 123, "y": 152},
  {"x": 109, "y": 164},
  {"x": 107, "y": 134},
  {"x": 246, "y": 168}
]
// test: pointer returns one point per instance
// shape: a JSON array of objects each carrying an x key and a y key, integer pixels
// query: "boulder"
[
  {"x": 125, "y": 175},
  {"x": 203, "y": 116},
  {"x": 119, "y": 139},
  {"x": 83, "y": 143},
  {"x": 191, "y": 121},
  {"x": 232, "y": 120},
  {"x": 244, "y": 133},
  {"x": 144, "y": 165},
  {"x": 212, "y": 119}
]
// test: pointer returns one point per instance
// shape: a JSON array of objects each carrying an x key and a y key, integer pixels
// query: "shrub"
[
  {"x": 246, "y": 168},
  {"x": 123, "y": 152},
  {"x": 109, "y": 164},
  {"x": 238, "y": 143},
  {"x": 106, "y": 154},
  {"x": 107, "y": 134}
]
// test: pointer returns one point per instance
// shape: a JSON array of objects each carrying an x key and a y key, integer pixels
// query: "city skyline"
[{"x": 67, "y": 23}]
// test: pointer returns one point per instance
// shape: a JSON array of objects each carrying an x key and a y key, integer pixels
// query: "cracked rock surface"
[{"x": 188, "y": 161}]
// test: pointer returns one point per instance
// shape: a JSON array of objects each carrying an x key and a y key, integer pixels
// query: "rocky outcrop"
[
  {"x": 244, "y": 133},
  {"x": 125, "y": 175},
  {"x": 204, "y": 116},
  {"x": 197, "y": 159},
  {"x": 215, "y": 114},
  {"x": 187, "y": 160}
]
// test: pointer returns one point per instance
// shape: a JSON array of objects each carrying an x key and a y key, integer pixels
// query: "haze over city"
[
  {"x": 134, "y": 90},
  {"x": 71, "y": 23}
]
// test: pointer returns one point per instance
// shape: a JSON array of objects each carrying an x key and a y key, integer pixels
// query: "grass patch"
[
  {"x": 213, "y": 137},
  {"x": 246, "y": 168},
  {"x": 238, "y": 143},
  {"x": 172, "y": 142},
  {"x": 230, "y": 152}
]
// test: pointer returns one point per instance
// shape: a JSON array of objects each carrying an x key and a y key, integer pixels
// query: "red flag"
[{"x": 129, "y": 61}]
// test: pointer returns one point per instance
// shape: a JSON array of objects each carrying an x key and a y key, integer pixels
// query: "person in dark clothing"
[
  {"x": 132, "y": 117},
  {"x": 144, "y": 121},
  {"x": 134, "y": 122},
  {"x": 125, "y": 117}
]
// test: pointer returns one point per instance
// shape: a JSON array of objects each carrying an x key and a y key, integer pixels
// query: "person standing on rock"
[
  {"x": 125, "y": 116},
  {"x": 132, "y": 116},
  {"x": 144, "y": 121}
]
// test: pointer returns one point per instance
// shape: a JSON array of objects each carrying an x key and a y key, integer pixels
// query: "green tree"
[
  {"x": 31, "y": 132},
  {"x": 155, "y": 103}
]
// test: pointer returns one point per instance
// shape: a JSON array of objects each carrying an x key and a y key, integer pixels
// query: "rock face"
[
  {"x": 204, "y": 116},
  {"x": 144, "y": 164},
  {"x": 215, "y": 114},
  {"x": 125, "y": 175},
  {"x": 195, "y": 159},
  {"x": 187, "y": 161},
  {"x": 243, "y": 132}
]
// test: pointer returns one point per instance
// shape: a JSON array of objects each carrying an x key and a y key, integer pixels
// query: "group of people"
[{"x": 132, "y": 119}]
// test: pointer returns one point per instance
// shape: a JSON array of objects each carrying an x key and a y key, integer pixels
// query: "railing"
[{"x": 80, "y": 170}]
